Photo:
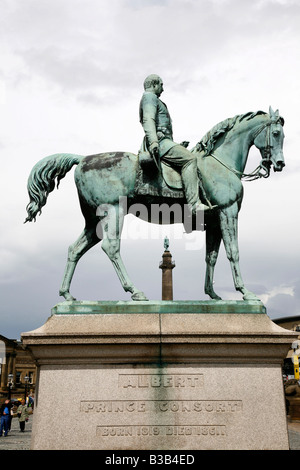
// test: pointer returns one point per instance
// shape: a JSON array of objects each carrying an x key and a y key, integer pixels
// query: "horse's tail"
[{"x": 42, "y": 178}]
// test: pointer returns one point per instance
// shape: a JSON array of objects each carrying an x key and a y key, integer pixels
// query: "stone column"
[{"x": 166, "y": 265}]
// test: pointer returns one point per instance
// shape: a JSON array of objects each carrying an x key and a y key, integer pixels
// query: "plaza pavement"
[{"x": 16, "y": 440}]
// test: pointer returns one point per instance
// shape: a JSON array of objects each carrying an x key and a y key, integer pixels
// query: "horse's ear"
[
  {"x": 271, "y": 112},
  {"x": 276, "y": 115},
  {"x": 280, "y": 118}
]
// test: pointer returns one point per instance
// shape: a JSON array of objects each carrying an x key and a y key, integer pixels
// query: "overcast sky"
[{"x": 71, "y": 78}]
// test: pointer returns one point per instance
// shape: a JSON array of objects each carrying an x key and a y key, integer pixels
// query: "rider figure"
[{"x": 158, "y": 141}]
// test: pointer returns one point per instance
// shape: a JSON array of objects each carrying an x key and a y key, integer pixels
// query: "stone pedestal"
[{"x": 159, "y": 376}]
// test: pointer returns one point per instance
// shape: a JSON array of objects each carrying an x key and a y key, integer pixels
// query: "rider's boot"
[{"x": 190, "y": 182}]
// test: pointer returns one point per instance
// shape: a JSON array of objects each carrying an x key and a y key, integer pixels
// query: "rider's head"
[{"x": 154, "y": 84}]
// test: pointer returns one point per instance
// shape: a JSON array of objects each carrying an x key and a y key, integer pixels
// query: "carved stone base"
[{"x": 159, "y": 375}]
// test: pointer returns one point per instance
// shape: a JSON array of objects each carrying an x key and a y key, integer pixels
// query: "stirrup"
[{"x": 198, "y": 206}]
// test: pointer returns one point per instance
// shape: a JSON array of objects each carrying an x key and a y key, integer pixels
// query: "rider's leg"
[{"x": 181, "y": 158}]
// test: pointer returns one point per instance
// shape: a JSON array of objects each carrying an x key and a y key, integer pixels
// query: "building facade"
[
  {"x": 290, "y": 323},
  {"x": 17, "y": 370}
]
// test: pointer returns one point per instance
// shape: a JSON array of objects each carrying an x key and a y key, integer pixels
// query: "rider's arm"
[{"x": 148, "y": 119}]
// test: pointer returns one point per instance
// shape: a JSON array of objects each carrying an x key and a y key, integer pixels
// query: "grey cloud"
[
  {"x": 188, "y": 33},
  {"x": 283, "y": 305},
  {"x": 101, "y": 51},
  {"x": 95, "y": 279}
]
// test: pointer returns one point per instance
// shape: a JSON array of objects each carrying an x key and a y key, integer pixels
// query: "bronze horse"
[{"x": 105, "y": 180}]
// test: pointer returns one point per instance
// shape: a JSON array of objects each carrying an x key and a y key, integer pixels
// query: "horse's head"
[{"x": 269, "y": 140}]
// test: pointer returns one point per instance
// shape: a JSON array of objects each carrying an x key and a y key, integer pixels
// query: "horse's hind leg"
[
  {"x": 111, "y": 227},
  {"x": 87, "y": 240}
]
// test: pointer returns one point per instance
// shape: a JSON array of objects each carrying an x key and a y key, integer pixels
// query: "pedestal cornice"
[{"x": 154, "y": 332}]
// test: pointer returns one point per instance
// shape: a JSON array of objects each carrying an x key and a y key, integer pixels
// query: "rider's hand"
[
  {"x": 154, "y": 149},
  {"x": 184, "y": 144}
]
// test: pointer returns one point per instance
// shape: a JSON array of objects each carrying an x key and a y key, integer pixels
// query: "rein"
[{"x": 256, "y": 174}]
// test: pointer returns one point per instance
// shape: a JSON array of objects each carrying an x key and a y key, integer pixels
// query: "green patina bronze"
[
  {"x": 219, "y": 307},
  {"x": 159, "y": 143},
  {"x": 110, "y": 184}
]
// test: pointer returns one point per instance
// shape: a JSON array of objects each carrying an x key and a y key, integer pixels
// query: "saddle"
[
  {"x": 164, "y": 181},
  {"x": 157, "y": 180}
]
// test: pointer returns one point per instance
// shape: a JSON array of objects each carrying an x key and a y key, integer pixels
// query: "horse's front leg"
[
  {"x": 112, "y": 226},
  {"x": 228, "y": 222},
  {"x": 213, "y": 239}
]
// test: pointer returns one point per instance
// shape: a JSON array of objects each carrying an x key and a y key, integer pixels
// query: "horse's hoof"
[
  {"x": 68, "y": 297},
  {"x": 250, "y": 296},
  {"x": 139, "y": 296},
  {"x": 213, "y": 296}
]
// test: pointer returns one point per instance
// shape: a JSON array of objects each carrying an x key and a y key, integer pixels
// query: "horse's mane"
[{"x": 209, "y": 140}]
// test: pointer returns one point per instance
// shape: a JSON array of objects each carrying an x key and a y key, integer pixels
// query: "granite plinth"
[{"x": 182, "y": 375}]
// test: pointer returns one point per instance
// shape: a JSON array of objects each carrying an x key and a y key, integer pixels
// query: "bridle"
[
  {"x": 266, "y": 150},
  {"x": 263, "y": 169}
]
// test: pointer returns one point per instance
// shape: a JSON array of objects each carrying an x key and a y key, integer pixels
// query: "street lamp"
[
  {"x": 26, "y": 379},
  {"x": 10, "y": 384}
]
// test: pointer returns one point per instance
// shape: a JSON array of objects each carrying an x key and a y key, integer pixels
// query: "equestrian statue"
[{"x": 206, "y": 180}]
